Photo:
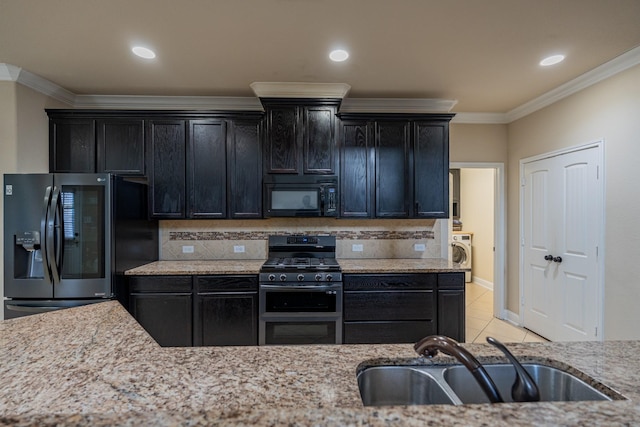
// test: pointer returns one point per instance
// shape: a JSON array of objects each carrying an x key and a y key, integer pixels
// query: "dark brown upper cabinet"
[
  {"x": 356, "y": 168},
  {"x": 208, "y": 167},
  {"x": 244, "y": 170},
  {"x": 120, "y": 143},
  {"x": 84, "y": 141},
  {"x": 166, "y": 145},
  {"x": 300, "y": 136},
  {"x": 394, "y": 165},
  {"x": 72, "y": 144}
]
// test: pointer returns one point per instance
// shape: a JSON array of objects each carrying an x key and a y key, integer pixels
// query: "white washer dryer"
[{"x": 461, "y": 251}]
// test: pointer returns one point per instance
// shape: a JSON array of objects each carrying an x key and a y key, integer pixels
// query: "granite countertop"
[
  {"x": 94, "y": 365},
  {"x": 385, "y": 265},
  {"x": 241, "y": 266}
]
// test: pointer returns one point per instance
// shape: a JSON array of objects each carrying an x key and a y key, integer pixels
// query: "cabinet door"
[
  {"x": 167, "y": 317},
  {"x": 166, "y": 156},
  {"x": 245, "y": 169},
  {"x": 72, "y": 145},
  {"x": 388, "y": 332},
  {"x": 120, "y": 144},
  {"x": 227, "y": 318},
  {"x": 391, "y": 305},
  {"x": 431, "y": 170},
  {"x": 207, "y": 169},
  {"x": 356, "y": 169},
  {"x": 282, "y": 144},
  {"x": 392, "y": 169},
  {"x": 319, "y": 139},
  {"x": 451, "y": 305}
]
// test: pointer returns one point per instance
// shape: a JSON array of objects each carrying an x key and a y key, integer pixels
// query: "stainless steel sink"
[
  {"x": 553, "y": 384},
  {"x": 454, "y": 385},
  {"x": 401, "y": 385}
]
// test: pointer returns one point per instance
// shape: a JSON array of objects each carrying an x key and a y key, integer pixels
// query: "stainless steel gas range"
[{"x": 300, "y": 292}]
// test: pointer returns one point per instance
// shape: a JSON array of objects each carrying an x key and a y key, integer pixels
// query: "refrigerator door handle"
[
  {"x": 44, "y": 246},
  {"x": 54, "y": 224}
]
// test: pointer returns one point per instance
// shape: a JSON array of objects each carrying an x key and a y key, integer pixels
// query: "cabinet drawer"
[
  {"x": 367, "y": 282},
  {"x": 160, "y": 284},
  {"x": 387, "y": 332},
  {"x": 451, "y": 281},
  {"x": 396, "y": 305},
  {"x": 226, "y": 283}
]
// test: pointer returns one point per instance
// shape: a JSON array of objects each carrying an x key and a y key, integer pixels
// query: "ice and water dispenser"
[{"x": 27, "y": 256}]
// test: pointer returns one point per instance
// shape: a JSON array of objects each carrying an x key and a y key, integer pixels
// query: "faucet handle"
[{"x": 524, "y": 388}]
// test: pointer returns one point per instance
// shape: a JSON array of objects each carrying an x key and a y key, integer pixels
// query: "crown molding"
[
  {"x": 623, "y": 62},
  {"x": 300, "y": 90},
  {"x": 169, "y": 102},
  {"x": 9, "y": 72},
  {"x": 396, "y": 105},
  {"x": 35, "y": 82}
]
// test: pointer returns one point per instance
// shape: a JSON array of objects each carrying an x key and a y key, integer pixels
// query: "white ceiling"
[{"x": 484, "y": 54}]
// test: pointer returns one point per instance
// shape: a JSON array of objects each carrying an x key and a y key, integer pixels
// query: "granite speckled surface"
[
  {"x": 94, "y": 365},
  {"x": 386, "y": 265},
  {"x": 398, "y": 265},
  {"x": 250, "y": 266}
]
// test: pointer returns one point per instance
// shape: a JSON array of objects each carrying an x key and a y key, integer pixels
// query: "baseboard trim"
[
  {"x": 512, "y": 318},
  {"x": 484, "y": 283}
]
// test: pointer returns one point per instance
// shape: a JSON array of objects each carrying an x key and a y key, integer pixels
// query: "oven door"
[{"x": 300, "y": 314}]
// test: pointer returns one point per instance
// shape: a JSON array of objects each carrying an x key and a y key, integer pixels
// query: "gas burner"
[{"x": 309, "y": 253}]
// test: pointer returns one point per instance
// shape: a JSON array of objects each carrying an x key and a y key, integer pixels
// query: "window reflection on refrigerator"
[{"x": 84, "y": 230}]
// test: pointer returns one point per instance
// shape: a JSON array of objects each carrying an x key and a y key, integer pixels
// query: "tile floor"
[{"x": 480, "y": 322}]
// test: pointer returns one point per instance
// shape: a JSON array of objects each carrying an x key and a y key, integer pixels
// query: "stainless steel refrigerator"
[{"x": 68, "y": 238}]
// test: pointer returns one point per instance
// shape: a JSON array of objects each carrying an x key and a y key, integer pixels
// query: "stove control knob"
[
  {"x": 283, "y": 277},
  {"x": 318, "y": 277},
  {"x": 329, "y": 277},
  {"x": 272, "y": 277},
  {"x": 300, "y": 277}
]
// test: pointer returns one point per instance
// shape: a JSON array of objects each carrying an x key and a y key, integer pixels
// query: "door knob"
[
  {"x": 548, "y": 257},
  {"x": 557, "y": 259}
]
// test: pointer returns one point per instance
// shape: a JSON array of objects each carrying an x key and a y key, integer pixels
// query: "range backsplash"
[{"x": 222, "y": 239}]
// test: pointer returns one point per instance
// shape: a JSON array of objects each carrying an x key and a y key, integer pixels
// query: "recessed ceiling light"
[
  {"x": 143, "y": 52},
  {"x": 552, "y": 60},
  {"x": 339, "y": 55}
]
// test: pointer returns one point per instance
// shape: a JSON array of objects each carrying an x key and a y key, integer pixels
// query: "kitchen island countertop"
[
  {"x": 361, "y": 265},
  {"x": 94, "y": 365}
]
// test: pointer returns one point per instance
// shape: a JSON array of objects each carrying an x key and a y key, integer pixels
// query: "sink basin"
[
  {"x": 454, "y": 385},
  {"x": 400, "y": 385},
  {"x": 553, "y": 384}
]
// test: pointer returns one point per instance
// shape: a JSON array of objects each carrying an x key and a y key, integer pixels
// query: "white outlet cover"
[
  {"x": 357, "y": 247},
  {"x": 187, "y": 249},
  {"x": 238, "y": 249},
  {"x": 419, "y": 247}
]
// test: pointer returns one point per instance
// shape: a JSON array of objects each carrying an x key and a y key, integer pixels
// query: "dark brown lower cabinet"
[
  {"x": 402, "y": 308},
  {"x": 163, "y": 306},
  {"x": 451, "y": 305},
  {"x": 183, "y": 311},
  {"x": 226, "y": 310}
]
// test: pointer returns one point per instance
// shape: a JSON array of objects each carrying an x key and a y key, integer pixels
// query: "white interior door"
[{"x": 562, "y": 216}]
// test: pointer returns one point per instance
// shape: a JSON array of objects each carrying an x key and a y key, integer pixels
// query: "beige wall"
[
  {"x": 24, "y": 139},
  {"x": 478, "y": 143},
  {"x": 477, "y": 216},
  {"x": 609, "y": 110}
]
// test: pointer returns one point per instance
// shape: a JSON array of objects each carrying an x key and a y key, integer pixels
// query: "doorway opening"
[{"x": 491, "y": 177}]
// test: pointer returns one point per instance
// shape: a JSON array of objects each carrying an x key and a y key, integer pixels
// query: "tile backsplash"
[{"x": 247, "y": 239}]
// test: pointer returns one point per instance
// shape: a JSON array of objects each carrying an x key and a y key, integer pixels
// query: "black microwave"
[{"x": 299, "y": 196}]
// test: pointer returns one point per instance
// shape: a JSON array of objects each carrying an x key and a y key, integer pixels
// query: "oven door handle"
[{"x": 333, "y": 287}]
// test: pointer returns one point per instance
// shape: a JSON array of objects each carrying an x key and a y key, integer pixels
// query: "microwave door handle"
[
  {"x": 44, "y": 234},
  {"x": 55, "y": 242}
]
